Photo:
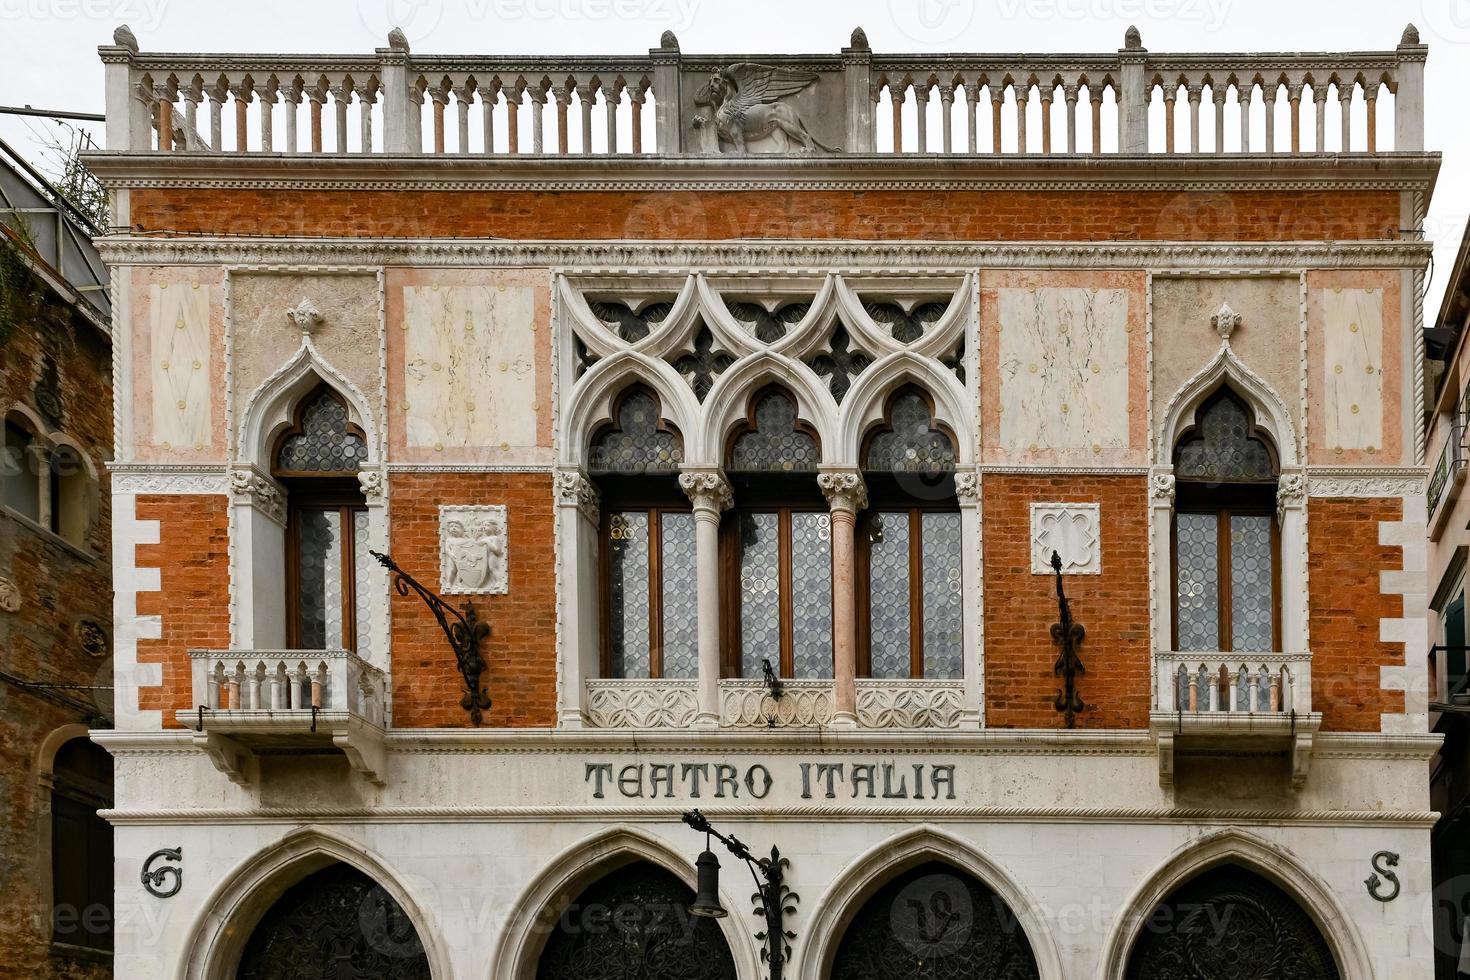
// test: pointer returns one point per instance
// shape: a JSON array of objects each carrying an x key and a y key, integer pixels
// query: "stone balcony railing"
[
  {"x": 251, "y": 701},
  {"x": 748, "y": 704},
  {"x": 1130, "y": 101}
]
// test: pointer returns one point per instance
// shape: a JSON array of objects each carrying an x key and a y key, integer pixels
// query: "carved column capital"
[
  {"x": 373, "y": 484},
  {"x": 259, "y": 492},
  {"x": 575, "y": 490},
  {"x": 844, "y": 490},
  {"x": 707, "y": 489},
  {"x": 967, "y": 486},
  {"x": 1161, "y": 488},
  {"x": 1291, "y": 493}
]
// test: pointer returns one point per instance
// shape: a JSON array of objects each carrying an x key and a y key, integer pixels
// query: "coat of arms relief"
[
  {"x": 745, "y": 104},
  {"x": 472, "y": 552}
]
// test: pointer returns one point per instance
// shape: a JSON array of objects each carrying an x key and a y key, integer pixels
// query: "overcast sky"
[{"x": 49, "y": 58}]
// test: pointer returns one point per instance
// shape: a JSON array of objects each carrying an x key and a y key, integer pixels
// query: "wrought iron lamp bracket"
[
  {"x": 464, "y": 630},
  {"x": 775, "y": 901},
  {"x": 153, "y": 878},
  {"x": 1067, "y": 634}
]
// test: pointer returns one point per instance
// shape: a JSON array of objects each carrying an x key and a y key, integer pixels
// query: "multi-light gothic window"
[
  {"x": 648, "y": 556},
  {"x": 328, "y": 565},
  {"x": 910, "y": 618},
  {"x": 779, "y": 546},
  {"x": 1225, "y": 533}
]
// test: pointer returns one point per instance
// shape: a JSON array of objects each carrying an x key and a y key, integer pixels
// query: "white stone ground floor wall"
[{"x": 482, "y": 837}]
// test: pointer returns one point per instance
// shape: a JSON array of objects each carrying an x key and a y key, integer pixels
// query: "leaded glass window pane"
[
  {"x": 1223, "y": 447},
  {"x": 775, "y": 444},
  {"x": 326, "y": 443},
  {"x": 811, "y": 600},
  {"x": 678, "y": 567},
  {"x": 319, "y": 578},
  {"x": 628, "y": 596},
  {"x": 888, "y": 595},
  {"x": 1252, "y": 598},
  {"x": 912, "y": 445},
  {"x": 637, "y": 444},
  {"x": 943, "y": 609},
  {"x": 760, "y": 592},
  {"x": 1198, "y": 559},
  {"x": 362, "y": 576}
]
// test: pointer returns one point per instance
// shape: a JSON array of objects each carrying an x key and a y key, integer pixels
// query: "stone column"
[
  {"x": 710, "y": 494},
  {"x": 127, "y": 111},
  {"x": 258, "y": 561},
  {"x": 1291, "y": 517},
  {"x": 401, "y": 101},
  {"x": 578, "y": 520},
  {"x": 1408, "y": 105},
  {"x": 846, "y": 494},
  {"x": 1161, "y": 519},
  {"x": 666, "y": 95},
  {"x": 1133, "y": 96},
  {"x": 967, "y": 489},
  {"x": 857, "y": 69}
]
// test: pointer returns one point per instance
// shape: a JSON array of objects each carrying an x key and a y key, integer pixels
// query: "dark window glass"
[
  {"x": 637, "y": 444},
  {"x": 1223, "y": 447},
  {"x": 81, "y": 846},
  {"x": 21, "y": 486},
  {"x": 652, "y": 619},
  {"x": 325, "y": 442},
  {"x": 776, "y": 442},
  {"x": 912, "y": 444}
]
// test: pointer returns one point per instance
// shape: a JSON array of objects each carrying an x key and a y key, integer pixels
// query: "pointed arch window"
[
  {"x": 777, "y": 545},
  {"x": 327, "y": 560},
  {"x": 1226, "y": 538},
  {"x": 649, "y": 624},
  {"x": 910, "y": 613}
]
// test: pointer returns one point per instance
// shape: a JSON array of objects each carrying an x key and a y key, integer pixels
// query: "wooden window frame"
[
  {"x": 321, "y": 498},
  {"x": 655, "y": 512},
  {"x": 863, "y": 582},
  {"x": 1224, "y": 501}
]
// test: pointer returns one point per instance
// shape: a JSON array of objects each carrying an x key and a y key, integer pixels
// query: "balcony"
[
  {"x": 1449, "y": 470},
  {"x": 1234, "y": 702},
  {"x": 259, "y": 702},
  {"x": 750, "y": 704}
]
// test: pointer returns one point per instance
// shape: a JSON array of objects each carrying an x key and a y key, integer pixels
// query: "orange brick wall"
[
  {"x": 1020, "y": 607},
  {"x": 521, "y": 650},
  {"x": 1344, "y": 608},
  {"x": 942, "y": 216},
  {"x": 194, "y": 599}
]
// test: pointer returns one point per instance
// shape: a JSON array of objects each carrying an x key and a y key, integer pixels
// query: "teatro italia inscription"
[{"x": 817, "y": 780}]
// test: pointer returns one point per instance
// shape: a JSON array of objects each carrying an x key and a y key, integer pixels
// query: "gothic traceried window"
[
  {"x": 1226, "y": 539},
  {"x": 910, "y": 613},
  {"x": 639, "y": 443},
  {"x": 841, "y": 364},
  {"x": 777, "y": 441},
  {"x": 768, "y": 327},
  {"x": 631, "y": 327},
  {"x": 325, "y": 440},
  {"x": 906, "y": 326}
]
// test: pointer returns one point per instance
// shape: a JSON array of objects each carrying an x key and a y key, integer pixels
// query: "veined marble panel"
[
  {"x": 178, "y": 389},
  {"x": 1352, "y": 359},
  {"x": 471, "y": 360},
  {"x": 1061, "y": 361}
]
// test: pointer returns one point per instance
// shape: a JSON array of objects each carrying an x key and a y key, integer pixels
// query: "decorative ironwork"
[
  {"x": 1229, "y": 923},
  {"x": 634, "y": 925},
  {"x": 464, "y": 630},
  {"x": 773, "y": 900},
  {"x": 912, "y": 443},
  {"x": 638, "y": 444},
  {"x": 773, "y": 682},
  {"x": 153, "y": 878},
  {"x": 335, "y": 923},
  {"x": 1383, "y": 861},
  {"x": 768, "y": 327},
  {"x": 934, "y": 921},
  {"x": 1068, "y": 635},
  {"x": 906, "y": 327},
  {"x": 775, "y": 444},
  {"x": 702, "y": 367},
  {"x": 630, "y": 326},
  {"x": 1223, "y": 446},
  {"x": 841, "y": 364},
  {"x": 325, "y": 442}
]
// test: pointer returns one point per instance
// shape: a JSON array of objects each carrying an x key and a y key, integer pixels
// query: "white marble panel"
[
  {"x": 1352, "y": 366},
  {"x": 1063, "y": 368},
  {"x": 180, "y": 367},
  {"x": 469, "y": 367},
  {"x": 1070, "y": 530}
]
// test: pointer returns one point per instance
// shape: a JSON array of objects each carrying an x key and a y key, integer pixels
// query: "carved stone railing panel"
[
  {"x": 641, "y": 703},
  {"x": 393, "y": 102},
  {"x": 909, "y": 704},
  {"x": 803, "y": 704},
  {"x": 1234, "y": 683},
  {"x": 289, "y": 682}
]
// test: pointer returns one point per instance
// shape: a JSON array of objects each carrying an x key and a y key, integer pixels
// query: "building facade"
[
  {"x": 55, "y": 584},
  {"x": 773, "y": 413}
]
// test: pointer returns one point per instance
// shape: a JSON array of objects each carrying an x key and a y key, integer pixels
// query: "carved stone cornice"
[
  {"x": 795, "y": 257},
  {"x": 133, "y": 478},
  {"x": 707, "y": 488},
  {"x": 844, "y": 490},
  {"x": 575, "y": 490},
  {"x": 1349, "y": 482}
]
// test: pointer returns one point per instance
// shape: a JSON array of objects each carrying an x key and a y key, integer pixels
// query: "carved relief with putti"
[{"x": 472, "y": 550}]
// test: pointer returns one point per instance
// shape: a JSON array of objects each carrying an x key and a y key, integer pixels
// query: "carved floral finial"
[
  {"x": 668, "y": 41},
  {"x": 1225, "y": 321},
  {"x": 1132, "y": 38},
  {"x": 1410, "y": 36},
  {"x": 124, "y": 37},
  {"x": 859, "y": 39},
  {"x": 305, "y": 316},
  {"x": 397, "y": 40}
]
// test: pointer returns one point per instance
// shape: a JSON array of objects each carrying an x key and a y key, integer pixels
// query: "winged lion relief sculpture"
[{"x": 744, "y": 105}]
